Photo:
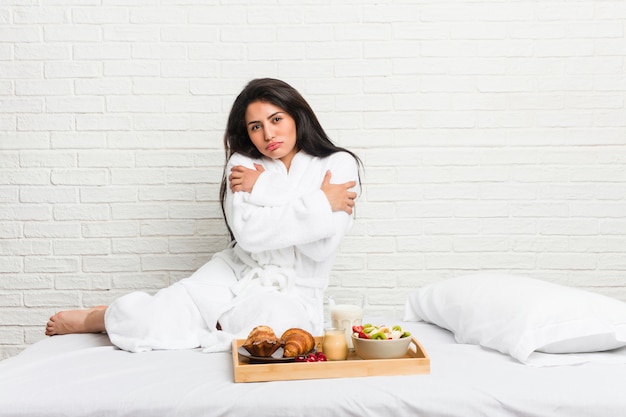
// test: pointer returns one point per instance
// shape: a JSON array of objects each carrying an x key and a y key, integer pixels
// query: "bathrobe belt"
[{"x": 271, "y": 277}]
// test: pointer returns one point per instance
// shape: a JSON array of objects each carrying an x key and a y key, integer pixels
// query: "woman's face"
[{"x": 272, "y": 131}]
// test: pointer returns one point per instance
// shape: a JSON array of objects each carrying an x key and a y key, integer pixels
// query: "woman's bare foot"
[{"x": 77, "y": 321}]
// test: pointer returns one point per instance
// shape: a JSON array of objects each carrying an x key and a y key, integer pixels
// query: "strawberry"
[
  {"x": 363, "y": 335},
  {"x": 357, "y": 329}
]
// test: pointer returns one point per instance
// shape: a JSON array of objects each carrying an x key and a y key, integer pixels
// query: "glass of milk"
[{"x": 345, "y": 312}]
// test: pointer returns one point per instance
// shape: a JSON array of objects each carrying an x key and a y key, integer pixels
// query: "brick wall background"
[{"x": 493, "y": 134}]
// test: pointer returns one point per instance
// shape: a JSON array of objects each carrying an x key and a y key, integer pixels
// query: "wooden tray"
[{"x": 416, "y": 361}]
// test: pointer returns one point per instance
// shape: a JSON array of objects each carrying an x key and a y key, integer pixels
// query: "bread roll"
[
  {"x": 297, "y": 342},
  {"x": 262, "y": 341}
]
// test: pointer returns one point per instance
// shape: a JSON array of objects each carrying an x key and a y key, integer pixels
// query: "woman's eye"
[
  {"x": 254, "y": 127},
  {"x": 277, "y": 119}
]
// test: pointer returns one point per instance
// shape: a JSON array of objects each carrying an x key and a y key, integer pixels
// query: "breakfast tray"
[{"x": 416, "y": 361}]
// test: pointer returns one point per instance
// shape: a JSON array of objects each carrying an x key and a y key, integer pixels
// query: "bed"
[{"x": 84, "y": 375}]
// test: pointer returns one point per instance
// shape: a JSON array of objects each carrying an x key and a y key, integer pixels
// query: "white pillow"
[{"x": 519, "y": 315}]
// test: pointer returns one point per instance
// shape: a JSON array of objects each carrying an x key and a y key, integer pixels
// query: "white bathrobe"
[{"x": 286, "y": 237}]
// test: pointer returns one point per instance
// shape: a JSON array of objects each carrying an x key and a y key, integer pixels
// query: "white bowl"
[{"x": 381, "y": 349}]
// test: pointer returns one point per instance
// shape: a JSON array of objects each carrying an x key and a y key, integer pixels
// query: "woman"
[{"x": 287, "y": 195}]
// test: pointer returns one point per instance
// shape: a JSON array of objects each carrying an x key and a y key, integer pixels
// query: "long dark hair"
[{"x": 310, "y": 136}]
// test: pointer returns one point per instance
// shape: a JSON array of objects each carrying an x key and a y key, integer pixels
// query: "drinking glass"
[
  {"x": 334, "y": 345},
  {"x": 345, "y": 312}
]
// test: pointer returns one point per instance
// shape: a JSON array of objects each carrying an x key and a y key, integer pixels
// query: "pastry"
[
  {"x": 262, "y": 341},
  {"x": 297, "y": 342}
]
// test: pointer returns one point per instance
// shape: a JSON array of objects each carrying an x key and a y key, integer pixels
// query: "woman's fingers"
[
  {"x": 235, "y": 177},
  {"x": 349, "y": 206}
]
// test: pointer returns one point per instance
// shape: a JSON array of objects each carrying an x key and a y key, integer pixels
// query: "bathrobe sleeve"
[
  {"x": 276, "y": 216},
  {"x": 343, "y": 168}
]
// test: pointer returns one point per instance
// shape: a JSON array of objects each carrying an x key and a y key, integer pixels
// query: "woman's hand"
[
  {"x": 339, "y": 195},
  {"x": 243, "y": 179}
]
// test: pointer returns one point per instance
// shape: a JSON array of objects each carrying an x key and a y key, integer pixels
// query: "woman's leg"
[
  {"x": 176, "y": 317},
  {"x": 278, "y": 310},
  {"x": 77, "y": 321},
  {"x": 169, "y": 319}
]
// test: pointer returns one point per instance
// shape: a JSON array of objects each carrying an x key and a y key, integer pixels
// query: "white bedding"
[{"x": 84, "y": 375}]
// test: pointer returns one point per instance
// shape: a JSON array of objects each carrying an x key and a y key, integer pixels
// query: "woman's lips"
[{"x": 272, "y": 146}]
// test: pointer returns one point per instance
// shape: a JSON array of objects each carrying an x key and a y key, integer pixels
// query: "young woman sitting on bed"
[{"x": 287, "y": 195}]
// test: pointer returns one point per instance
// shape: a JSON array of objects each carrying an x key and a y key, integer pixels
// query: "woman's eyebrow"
[{"x": 268, "y": 118}]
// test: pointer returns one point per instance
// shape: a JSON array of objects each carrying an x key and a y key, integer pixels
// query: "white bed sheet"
[{"x": 84, "y": 375}]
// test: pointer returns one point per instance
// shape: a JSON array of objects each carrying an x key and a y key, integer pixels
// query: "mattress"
[{"x": 84, "y": 375}]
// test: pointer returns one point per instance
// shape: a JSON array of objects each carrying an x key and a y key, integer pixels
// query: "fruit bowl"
[{"x": 381, "y": 349}]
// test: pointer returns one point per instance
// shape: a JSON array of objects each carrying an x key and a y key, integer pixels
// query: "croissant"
[
  {"x": 297, "y": 342},
  {"x": 262, "y": 341}
]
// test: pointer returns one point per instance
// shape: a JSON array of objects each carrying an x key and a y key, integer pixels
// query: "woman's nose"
[{"x": 267, "y": 132}]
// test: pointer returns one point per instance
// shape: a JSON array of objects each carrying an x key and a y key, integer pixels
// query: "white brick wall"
[{"x": 493, "y": 134}]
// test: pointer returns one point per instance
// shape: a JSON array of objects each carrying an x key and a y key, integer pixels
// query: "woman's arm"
[
  {"x": 281, "y": 216},
  {"x": 345, "y": 169}
]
